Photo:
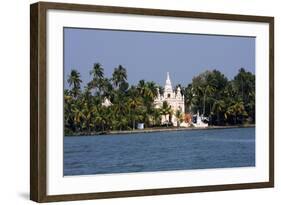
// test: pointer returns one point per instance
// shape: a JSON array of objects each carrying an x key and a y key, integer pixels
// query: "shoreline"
[{"x": 151, "y": 130}]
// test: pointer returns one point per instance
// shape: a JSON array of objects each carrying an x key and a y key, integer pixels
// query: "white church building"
[{"x": 174, "y": 99}]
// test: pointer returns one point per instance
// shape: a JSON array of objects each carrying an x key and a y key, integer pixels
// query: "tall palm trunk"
[
  {"x": 218, "y": 118},
  {"x": 102, "y": 126},
  {"x": 134, "y": 124}
]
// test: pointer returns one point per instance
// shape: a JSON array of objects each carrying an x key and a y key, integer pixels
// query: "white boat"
[{"x": 199, "y": 123}]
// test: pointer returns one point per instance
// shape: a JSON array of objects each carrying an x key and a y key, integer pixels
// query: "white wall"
[{"x": 14, "y": 104}]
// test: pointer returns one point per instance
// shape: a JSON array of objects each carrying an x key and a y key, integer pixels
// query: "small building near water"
[{"x": 140, "y": 126}]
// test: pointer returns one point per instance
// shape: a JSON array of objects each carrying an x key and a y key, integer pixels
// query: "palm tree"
[
  {"x": 179, "y": 117},
  {"x": 107, "y": 89},
  {"x": 120, "y": 108},
  {"x": 166, "y": 110},
  {"x": 74, "y": 81},
  {"x": 122, "y": 123},
  {"x": 148, "y": 92},
  {"x": 68, "y": 115},
  {"x": 141, "y": 87},
  {"x": 236, "y": 110},
  {"x": 108, "y": 113},
  {"x": 134, "y": 102},
  {"x": 209, "y": 90},
  {"x": 97, "y": 77},
  {"x": 119, "y": 76},
  {"x": 218, "y": 108},
  {"x": 77, "y": 112},
  {"x": 198, "y": 97},
  {"x": 156, "y": 113},
  {"x": 100, "y": 117},
  {"x": 188, "y": 98},
  {"x": 87, "y": 115},
  {"x": 250, "y": 106},
  {"x": 151, "y": 90},
  {"x": 97, "y": 71}
]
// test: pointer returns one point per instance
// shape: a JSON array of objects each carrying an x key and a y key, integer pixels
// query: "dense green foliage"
[
  {"x": 210, "y": 93},
  {"x": 223, "y": 101}
]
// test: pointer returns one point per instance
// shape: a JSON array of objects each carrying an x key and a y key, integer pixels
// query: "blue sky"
[{"x": 149, "y": 55}]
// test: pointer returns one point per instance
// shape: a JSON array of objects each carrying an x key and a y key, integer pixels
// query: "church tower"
[
  {"x": 168, "y": 89},
  {"x": 174, "y": 99}
]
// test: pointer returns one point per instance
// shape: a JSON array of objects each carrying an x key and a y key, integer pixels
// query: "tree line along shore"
[{"x": 225, "y": 102}]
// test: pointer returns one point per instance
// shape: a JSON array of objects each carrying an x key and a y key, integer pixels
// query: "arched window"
[{"x": 169, "y": 95}]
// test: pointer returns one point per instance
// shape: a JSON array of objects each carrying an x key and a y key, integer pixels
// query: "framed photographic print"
[{"x": 134, "y": 102}]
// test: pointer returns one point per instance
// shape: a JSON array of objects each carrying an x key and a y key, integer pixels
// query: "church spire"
[
  {"x": 168, "y": 85},
  {"x": 168, "y": 81}
]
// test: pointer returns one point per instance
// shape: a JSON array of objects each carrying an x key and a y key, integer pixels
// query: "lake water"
[{"x": 159, "y": 151}]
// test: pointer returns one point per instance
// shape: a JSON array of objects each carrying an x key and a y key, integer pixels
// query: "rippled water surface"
[{"x": 159, "y": 151}]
